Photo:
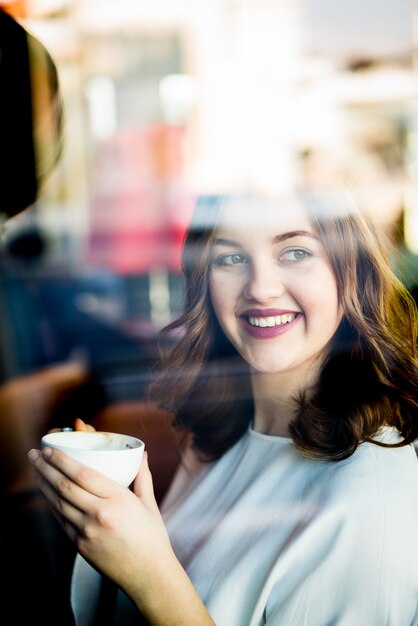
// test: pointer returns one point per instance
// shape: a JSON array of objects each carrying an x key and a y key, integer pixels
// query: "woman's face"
[{"x": 272, "y": 287}]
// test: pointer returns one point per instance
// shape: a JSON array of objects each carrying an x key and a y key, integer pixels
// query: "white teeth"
[{"x": 274, "y": 320}]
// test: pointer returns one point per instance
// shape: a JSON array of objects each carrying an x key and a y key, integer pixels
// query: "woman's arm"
[{"x": 121, "y": 533}]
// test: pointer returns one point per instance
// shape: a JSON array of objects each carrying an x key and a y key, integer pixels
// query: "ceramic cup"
[{"x": 115, "y": 455}]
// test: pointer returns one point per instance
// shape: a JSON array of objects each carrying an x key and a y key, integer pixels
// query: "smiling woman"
[
  {"x": 309, "y": 275},
  {"x": 293, "y": 375}
]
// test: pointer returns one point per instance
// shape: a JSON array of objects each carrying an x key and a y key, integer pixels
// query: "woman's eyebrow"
[
  {"x": 293, "y": 233},
  {"x": 221, "y": 241}
]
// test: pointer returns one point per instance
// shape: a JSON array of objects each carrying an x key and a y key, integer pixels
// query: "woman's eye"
[
  {"x": 231, "y": 259},
  {"x": 296, "y": 255}
]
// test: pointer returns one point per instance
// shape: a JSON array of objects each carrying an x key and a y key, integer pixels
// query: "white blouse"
[{"x": 269, "y": 537}]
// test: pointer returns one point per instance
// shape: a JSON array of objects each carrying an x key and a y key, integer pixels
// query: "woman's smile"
[{"x": 266, "y": 324}]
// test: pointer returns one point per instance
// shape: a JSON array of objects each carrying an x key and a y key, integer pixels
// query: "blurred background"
[
  {"x": 164, "y": 100},
  {"x": 170, "y": 98}
]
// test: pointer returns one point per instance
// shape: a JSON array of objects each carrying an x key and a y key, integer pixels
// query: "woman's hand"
[
  {"x": 121, "y": 533},
  {"x": 118, "y": 531}
]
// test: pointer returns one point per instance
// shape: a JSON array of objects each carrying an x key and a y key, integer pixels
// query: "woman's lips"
[{"x": 267, "y": 326}]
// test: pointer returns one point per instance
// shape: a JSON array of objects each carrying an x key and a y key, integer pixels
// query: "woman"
[{"x": 293, "y": 374}]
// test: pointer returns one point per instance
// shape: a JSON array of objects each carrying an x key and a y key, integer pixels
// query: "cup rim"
[{"x": 47, "y": 440}]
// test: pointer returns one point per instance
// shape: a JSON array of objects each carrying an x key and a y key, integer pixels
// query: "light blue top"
[{"x": 269, "y": 537}]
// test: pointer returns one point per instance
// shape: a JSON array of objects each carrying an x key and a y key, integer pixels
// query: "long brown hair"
[{"x": 369, "y": 379}]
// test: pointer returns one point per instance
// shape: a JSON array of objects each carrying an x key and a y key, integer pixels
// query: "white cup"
[{"x": 115, "y": 455}]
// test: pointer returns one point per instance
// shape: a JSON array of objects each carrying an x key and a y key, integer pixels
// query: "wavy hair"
[{"x": 369, "y": 378}]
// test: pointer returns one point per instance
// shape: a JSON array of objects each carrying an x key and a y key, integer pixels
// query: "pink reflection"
[{"x": 139, "y": 206}]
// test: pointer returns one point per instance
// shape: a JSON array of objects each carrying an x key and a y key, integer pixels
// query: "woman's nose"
[{"x": 264, "y": 283}]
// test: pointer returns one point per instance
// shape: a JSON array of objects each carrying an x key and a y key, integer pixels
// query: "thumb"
[
  {"x": 79, "y": 424},
  {"x": 143, "y": 486}
]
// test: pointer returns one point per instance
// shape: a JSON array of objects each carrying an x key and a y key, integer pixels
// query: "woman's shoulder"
[
  {"x": 376, "y": 457},
  {"x": 386, "y": 477}
]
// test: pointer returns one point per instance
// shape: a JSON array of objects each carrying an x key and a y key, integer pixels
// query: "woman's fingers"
[
  {"x": 79, "y": 424},
  {"x": 65, "y": 473},
  {"x": 143, "y": 486},
  {"x": 60, "y": 493},
  {"x": 69, "y": 517}
]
